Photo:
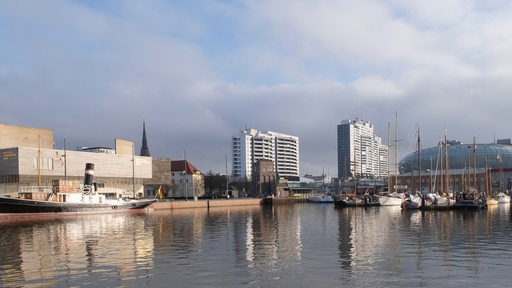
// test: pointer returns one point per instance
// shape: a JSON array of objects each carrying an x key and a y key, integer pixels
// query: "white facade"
[
  {"x": 360, "y": 151},
  {"x": 253, "y": 145},
  {"x": 187, "y": 185}
]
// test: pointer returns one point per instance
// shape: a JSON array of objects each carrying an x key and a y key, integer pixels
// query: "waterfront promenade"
[{"x": 207, "y": 203}]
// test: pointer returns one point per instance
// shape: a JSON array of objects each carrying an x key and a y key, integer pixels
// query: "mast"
[
  {"x": 133, "y": 169},
  {"x": 430, "y": 185},
  {"x": 38, "y": 160},
  {"x": 419, "y": 158},
  {"x": 65, "y": 160},
  {"x": 355, "y": 178},
  {"x": 396, "y": 150},
  {"x": 474, "y": 162},
  {"x": 447, "y": 180},
  {"x": 389, "y": 182},
  {"x": 227, "y": 177}
]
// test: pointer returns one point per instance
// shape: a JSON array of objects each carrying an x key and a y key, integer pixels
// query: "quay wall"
[{"x": 180, "y": 204}]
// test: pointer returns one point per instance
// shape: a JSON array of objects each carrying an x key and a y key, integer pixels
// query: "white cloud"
[
  {"x": 196, "y": 74},
  {"x": 375, "y": 87}
]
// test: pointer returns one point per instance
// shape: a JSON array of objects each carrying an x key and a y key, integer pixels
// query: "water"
[{"x": 301, "y": 245}]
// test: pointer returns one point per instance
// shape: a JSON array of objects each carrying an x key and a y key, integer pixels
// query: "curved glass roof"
[{"x": 459, "y": 156}]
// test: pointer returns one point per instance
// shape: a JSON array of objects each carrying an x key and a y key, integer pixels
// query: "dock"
[{"x": 207, "y": 203}]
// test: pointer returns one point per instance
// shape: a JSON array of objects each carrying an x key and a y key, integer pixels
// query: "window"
[{"x": 44, "y": 163}]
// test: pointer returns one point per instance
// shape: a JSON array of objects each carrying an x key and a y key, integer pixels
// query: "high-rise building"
[
  {"x": 360, "y": 152},
  {"x": 252, "y": 145}
]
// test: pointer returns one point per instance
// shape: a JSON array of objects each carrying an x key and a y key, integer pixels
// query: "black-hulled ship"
[{"x": 86, "y": 199}]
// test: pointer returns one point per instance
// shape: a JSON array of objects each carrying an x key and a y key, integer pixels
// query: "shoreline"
[{"x": 210, "y": 203}]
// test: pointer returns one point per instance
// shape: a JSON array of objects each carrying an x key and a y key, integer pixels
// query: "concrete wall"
[
  {"x": 15, "y": 136},
  {"x": 114, "y": 172},
  {"x": 205, "y": 204}
]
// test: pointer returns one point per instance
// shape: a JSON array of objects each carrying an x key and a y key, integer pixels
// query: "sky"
[{"x": 198, "y": 72}]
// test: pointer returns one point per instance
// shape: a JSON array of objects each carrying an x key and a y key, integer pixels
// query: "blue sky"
[{"x": 199, "y": 71}]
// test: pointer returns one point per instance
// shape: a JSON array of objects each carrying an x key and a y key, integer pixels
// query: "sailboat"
[
  {"x": 392, "y": 198},
  {"x": 503, "y": 198},
  {"x": 471, "y": 198},
  {"x": 435, "y": 201},
  {"x": 491, "y": 201},
  {"x": 414, "y": 200},
  {"x": 356, "y": 199}
]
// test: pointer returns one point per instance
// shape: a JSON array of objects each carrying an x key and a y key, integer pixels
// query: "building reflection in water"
[
  {"x": 69, "y": 248},
  {"x": 263, "y": 239},
  {"x": 417, "y": 245},
  {"x": 285, "y": 245}
]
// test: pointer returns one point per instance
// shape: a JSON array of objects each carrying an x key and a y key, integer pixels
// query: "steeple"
[{"x": 144, "y": 150}]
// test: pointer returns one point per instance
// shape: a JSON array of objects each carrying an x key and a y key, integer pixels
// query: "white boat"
[
  {"x": 492, "y": 201},
  {"x": 391, "y": 199},
  {"x": 321, "y": 199},
  {"x": 411, "y": 202},
  {"x": 503, "y": 198},
  {"x": 434, "y": 201}
]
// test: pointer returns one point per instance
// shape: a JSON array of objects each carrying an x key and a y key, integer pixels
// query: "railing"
[{"x": 25, "y": 189}]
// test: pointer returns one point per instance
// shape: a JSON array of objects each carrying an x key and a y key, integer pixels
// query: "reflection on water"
[
  {"x": 110, "y": 248},
  {"x": 302, "y": 245}
]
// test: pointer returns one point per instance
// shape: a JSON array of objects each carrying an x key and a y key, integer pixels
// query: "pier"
[{"x": 210, "y": 203}]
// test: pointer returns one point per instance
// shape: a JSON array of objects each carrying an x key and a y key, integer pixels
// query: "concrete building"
[
  {"x": 187, "y": 181},
  {"x": 252, "y": 145},
  {"x": 360, "y": 152},
  {"x": 29, "y": 162}
]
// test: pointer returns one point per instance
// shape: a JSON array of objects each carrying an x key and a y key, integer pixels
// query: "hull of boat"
[
  {"x": 411, "y": 205},
  {"x": 16, "y": 205},
  {"x": 503, "y": 199},
  {"x": 321, "y": 199},
  {"x": 390, "y": 201},
  {"x": 351, "y": 203},
  {"x": 436, "y": 207},
  {"x": 469, "y": 204},
  {"x": 492, "y": 202}
]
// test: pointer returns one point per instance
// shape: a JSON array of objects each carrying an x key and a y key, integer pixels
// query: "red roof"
[{"x": 180, "y": 165}]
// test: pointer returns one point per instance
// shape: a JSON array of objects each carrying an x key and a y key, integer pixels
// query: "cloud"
[
  {"x": 374, "y": 87},
  {"x": 199, "y": 72}
]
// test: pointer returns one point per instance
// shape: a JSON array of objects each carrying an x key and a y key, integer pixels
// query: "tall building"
[
  {"x": 252, "y": 145},
  {"x": 360, "y": 152}
]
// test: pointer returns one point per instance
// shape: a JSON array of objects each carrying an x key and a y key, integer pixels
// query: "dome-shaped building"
[{"x": 482, "y": 166}]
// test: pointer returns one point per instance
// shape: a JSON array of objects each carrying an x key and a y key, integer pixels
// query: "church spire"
[{"x": 144, "y": 150}]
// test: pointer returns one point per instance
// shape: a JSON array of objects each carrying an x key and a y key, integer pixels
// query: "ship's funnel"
[{"x": 89, "y": 174}]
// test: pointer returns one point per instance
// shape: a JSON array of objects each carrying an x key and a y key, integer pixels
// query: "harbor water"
[{"x": 294, "y": 245}]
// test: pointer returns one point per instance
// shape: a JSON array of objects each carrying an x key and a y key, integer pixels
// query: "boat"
[
  {"x": 440, "y": 200},
  {"x": 391, "y": 199},
  {"x": 503, "y": 198},
  {"x": 354, "y": 200},
  {"x": 492, "y": 201},
  {"x": 411, "y": 202},
  {"x": 434, "y": 201},
  {"x": 84, "y": 200},
  {"x": 325, "y": 198},
  {"x": 470, "y": 200}
]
